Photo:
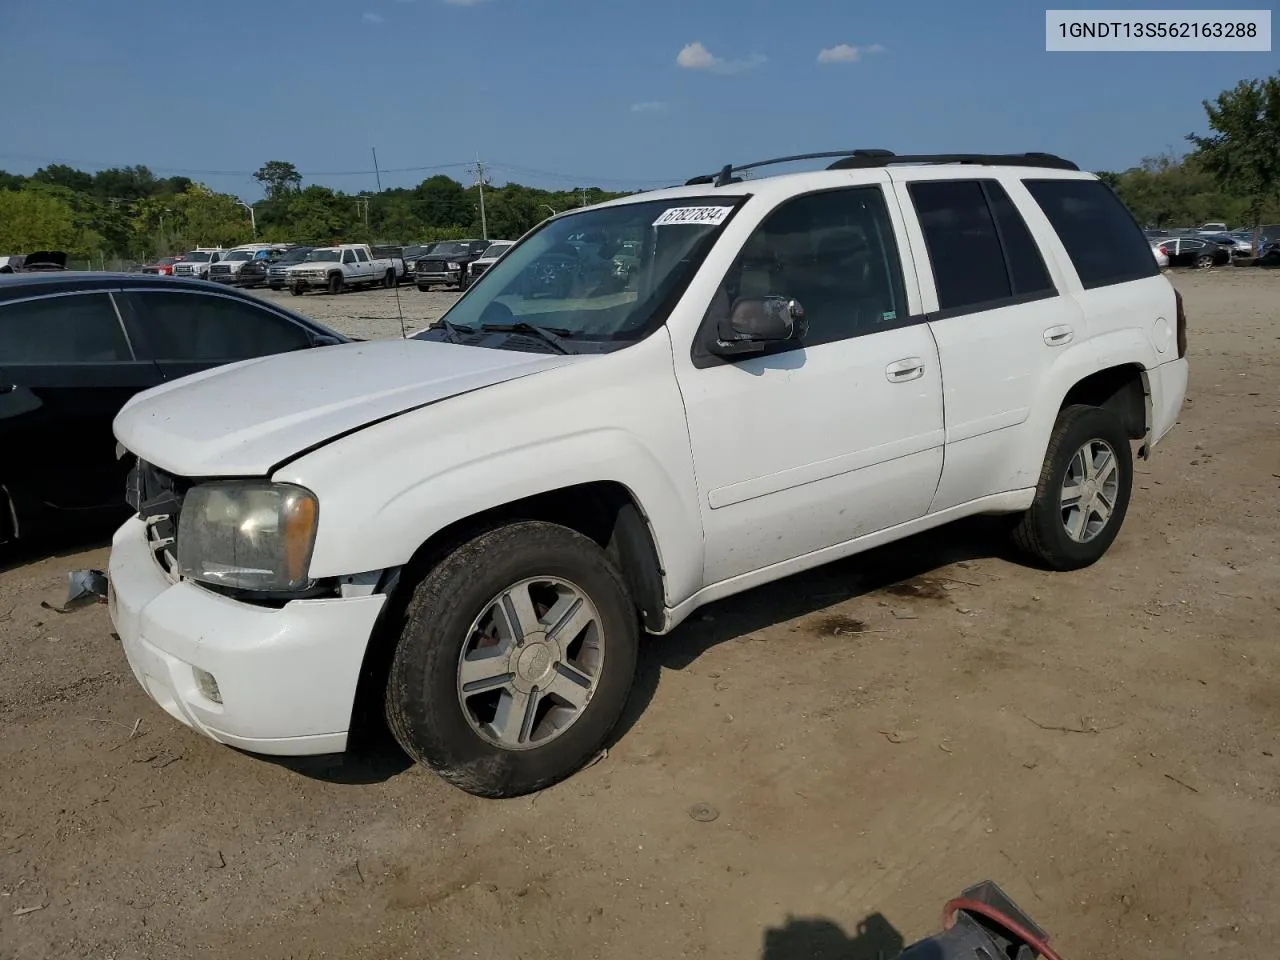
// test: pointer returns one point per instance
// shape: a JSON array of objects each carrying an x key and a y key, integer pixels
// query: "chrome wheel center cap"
[{"x": 534, "y": 660}]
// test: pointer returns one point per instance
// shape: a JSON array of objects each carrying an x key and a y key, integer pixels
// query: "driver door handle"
[
  {"x": 1059, "y": 336},
  {"x": 911, "y": 368}
]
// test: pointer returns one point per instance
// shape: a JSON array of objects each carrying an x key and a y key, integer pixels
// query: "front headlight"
[
  {"x": 248, "y": 535},
  {"x": 452, "y": 266}
]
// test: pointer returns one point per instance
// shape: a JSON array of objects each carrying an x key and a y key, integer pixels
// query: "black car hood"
[{"x": 45, "y": 260}]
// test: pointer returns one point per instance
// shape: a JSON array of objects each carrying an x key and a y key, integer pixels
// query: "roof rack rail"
[
  {"x": 726, "y": 174},
  {"x": 856, "y": 162},
  {"x": 870, "y": 158}
]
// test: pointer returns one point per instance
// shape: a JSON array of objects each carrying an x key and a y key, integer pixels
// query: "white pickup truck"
[
  {"x": 470, "y": 528},
  {"x": 339, "y": 268}
]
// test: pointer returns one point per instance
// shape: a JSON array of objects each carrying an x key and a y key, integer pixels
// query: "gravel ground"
[
  {"x": 871, "y": 737},
  {"x": 369, "y": 314}
]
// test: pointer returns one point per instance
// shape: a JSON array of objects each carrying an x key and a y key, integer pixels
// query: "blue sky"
[{"x": 564, "y": 92}]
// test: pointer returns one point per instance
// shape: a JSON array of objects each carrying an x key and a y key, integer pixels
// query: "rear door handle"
[
  {"x": 912, "y": 368},
  {"x": 1059, "y": 336}
]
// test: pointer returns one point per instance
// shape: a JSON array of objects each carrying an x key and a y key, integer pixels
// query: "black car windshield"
[
  {"x": 197, "y": 256},
  {"x": 451, "y": 250},
  {"x": 416, "y": 250},
  {"x": 563, "y": 278},
  {"x": 325, "y": 255},
  {"x": 295, "y": 256}
]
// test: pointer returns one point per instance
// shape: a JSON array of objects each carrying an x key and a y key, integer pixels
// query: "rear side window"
[
  {"x": 1027, "y": 271},
  {"x": 195, "y": 327},
  {"x": 81, "y": 328},
  {"x": 964, "y": 247},
  {"x": 1102, "y": 239}
]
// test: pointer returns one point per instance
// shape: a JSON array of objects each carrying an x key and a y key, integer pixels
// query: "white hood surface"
[{"x": 245, "y": 418}]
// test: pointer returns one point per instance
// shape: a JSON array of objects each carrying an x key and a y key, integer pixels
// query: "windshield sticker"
[{"x": 700, "y": 216}]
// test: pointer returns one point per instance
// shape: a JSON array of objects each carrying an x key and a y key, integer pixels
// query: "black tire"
[
  {"x": 1204, "y": 261},
  {"x": 297, "y": 289},
  {"x": 335, "y": 283},
  {"x": 1041, "y": 533},
  {"x": 423, "y": 708},
  {"x": 424, "y": 287},
  {"x": 388, "y": 280}
]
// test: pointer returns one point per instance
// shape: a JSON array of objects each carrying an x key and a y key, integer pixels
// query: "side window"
[
  {"x": 361, "y": 256},
  {"x": 197, "y": 327},
  {"x": 834, "y": 252},
  {"x": 964, "y": 248},
  {"x": 1102, "y": 239},
  {"x": 348, "y": 256},
  {"x": 215, "y": 258},
  {"x": 1027, "y": 271},
  {"x": 81, "y": 328}
]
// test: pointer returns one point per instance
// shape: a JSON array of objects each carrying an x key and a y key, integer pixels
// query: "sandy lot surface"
[
  {"x": 872, "y": 737},
  {"x": 369, "y": 314}
]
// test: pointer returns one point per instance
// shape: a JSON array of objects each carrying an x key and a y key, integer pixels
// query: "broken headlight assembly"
[{"x": 251, "y": 535}]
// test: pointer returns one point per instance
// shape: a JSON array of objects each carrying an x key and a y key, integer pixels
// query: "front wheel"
[
  {"x": 297, "y": 289},
  {"x": 424, "y": 287},
  {"x": 1204, "y": 262},
  {"x": 516, "y": 657},
  {"x": 1083, "y": 492},
  {"x": 335, "y": 283}
]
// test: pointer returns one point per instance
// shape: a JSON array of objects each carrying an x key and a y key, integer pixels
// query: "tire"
[
  {"x": 424, "y": 287},
  {"x": 440, "y": 727},
  {"x": 297, "y": 289},
  {"x": 1204, "y": 261},
  {"x": 388, "y": 280},
  {"x": 335, "y": 283},
  {"x": 1043, "y": 531}
]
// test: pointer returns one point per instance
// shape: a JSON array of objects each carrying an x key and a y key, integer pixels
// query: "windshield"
[
  {"x": 494, "y": 251},
  {"x": 239, "y": 255},
  {"x": 196, "y": 256},
  {"x": 295, "y": 256},
  {"x": 333, "y": 255},
  {"x": 563, "y": 276},
  {"x": 416, "y": 250},
  {"x": 451, "y": 250}
]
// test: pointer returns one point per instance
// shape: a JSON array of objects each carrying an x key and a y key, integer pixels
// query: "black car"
[
  {"x": 1195, "y": 252},
  {"x": 413, "y": 253},
  {"x": 74, "y": 347},
  {"x": 446, "y": 264},
  {"x": 257, "y": 273},
  {"x": 278, "y": 270}
]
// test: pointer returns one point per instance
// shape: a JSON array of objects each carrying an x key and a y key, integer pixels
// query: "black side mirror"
[{"x": 754, "y": 323}]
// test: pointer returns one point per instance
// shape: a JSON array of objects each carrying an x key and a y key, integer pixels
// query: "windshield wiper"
[
  {"x": 549, "y": 335},
  {"x": 455, "y": 331}
]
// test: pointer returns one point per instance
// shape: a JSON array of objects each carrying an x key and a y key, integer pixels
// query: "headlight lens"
[
  {"x": 452, "y": 266},
  {"x": 248, "y": 535}
]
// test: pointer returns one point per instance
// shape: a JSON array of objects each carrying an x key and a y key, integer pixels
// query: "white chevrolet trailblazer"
[{"x": 471, "y": 528}]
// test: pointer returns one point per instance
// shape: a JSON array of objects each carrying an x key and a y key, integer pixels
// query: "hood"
[
  {"x": 246, "y": 418},
  {"x": 45, "y": 260}
]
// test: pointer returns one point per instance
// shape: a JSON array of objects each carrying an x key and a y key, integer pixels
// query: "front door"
[{"x": 832, "y": 437}]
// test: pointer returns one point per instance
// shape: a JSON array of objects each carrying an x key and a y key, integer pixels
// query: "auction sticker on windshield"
[{"x": 711, "y": 216}]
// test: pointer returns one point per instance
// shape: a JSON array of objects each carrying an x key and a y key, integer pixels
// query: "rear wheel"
[
  {"x": 1083, "y": 493},
  {"x": 335, "y": 283},
  {"x": 516, "y": 657},
  {"x": 388, "y": 279}
]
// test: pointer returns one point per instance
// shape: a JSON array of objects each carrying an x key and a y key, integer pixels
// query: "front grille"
[
  {"x": 432, "y": 266},
  {"x": 156, "y": 497},
  {"x": 219, "y": 268},
  {"x": 478, "y": 268}
]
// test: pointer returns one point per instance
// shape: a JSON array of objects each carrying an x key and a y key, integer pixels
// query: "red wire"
[{"x": 1036, "y": 943}]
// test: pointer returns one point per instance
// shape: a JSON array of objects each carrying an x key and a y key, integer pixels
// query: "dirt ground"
[{"x": 870, "y": 737}]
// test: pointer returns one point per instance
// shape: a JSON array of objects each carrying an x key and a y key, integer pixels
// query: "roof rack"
[{"x": 869, "y": 158}]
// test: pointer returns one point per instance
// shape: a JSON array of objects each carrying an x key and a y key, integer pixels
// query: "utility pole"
[
  {"x": 484, "y": 225},
  {"x": 376, "y": 173}
]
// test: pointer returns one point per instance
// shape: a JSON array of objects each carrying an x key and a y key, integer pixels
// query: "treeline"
[
  {"x": 130, "y": 214},
  {"x": 1171, "y": 191}
]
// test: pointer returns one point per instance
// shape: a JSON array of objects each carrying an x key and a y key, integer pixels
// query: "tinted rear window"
[
  {"x": 1100, "y": 235},
  {"x": 964, "y": 248}
]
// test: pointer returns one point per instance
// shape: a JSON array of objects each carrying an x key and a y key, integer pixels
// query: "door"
[
  {"x": 998, "y": 319},
  {"x": 66, "y": 369},
  {"x": 364, "y": 266},
  {"x": 188, "y": 331},
  {"x": 832, "y": 437}
]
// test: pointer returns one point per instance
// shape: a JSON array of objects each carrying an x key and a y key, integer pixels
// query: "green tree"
[
  {"x": 1243, "y": 151},
  {"x": 36, "y": 219},
  {"x": 279, "y": 178},
  {"x": 60, "y": 175},
  {"x": 11, "y": 181}
]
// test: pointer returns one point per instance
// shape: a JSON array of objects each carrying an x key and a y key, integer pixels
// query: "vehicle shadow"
[
  {"x": 55, "y": 544},
  {"x": 811, "y": 938},
  {"x": 376, "y": 758},
  {"x": 804, "y": 593}
]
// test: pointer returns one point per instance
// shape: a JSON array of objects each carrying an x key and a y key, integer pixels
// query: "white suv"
[{"x": 471, "y": 529}]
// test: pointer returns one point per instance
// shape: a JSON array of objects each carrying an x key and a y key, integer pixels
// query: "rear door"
[
  {"x": 999, "y": 319},
  {"x": 188, "y": 331},
  {"x": 66, "y": 369}
]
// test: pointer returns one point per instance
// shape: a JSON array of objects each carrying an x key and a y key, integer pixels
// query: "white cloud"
[
  {"x": 845, "y": 53},
  {"x": 648, "y": 106},
  {"x": 695, "y": 56},
  {"x": 372, "y": 18}
]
